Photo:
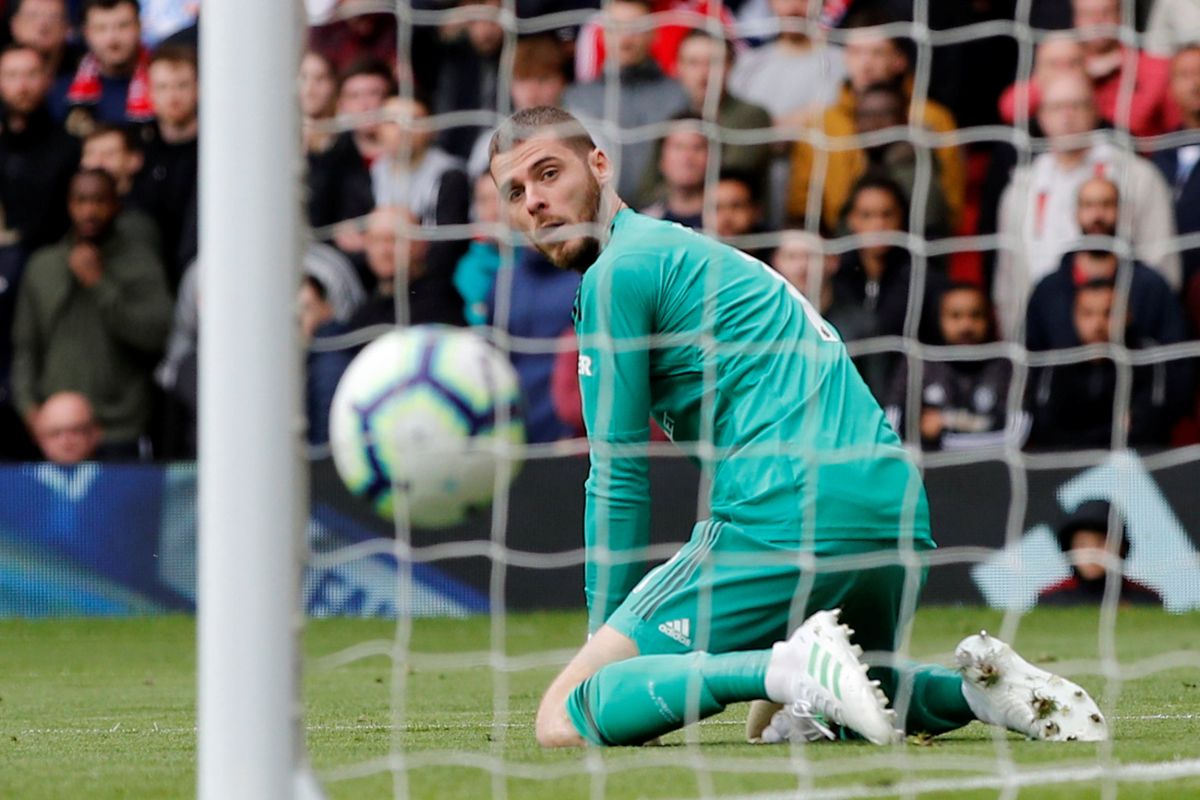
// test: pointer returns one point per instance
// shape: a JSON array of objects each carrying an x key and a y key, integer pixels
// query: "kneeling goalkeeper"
[{"x": 816, "y": 508}]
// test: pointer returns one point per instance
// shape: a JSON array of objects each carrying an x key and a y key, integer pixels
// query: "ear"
[{"x": 600, "y": 166}]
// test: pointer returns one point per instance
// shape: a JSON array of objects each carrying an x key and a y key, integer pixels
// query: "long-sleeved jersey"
[{"x": 730, "y": 359}]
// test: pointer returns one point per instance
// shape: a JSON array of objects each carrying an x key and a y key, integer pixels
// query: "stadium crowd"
[{"x": 917, "y": 194}]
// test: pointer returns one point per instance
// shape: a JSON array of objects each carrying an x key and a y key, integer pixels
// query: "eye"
[
  {"x": 549, "y": 174},
  {"x": 514, "y": 195}
]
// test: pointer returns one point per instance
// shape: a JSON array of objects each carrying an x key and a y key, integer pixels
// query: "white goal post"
[{"x": 253, "y": 493}]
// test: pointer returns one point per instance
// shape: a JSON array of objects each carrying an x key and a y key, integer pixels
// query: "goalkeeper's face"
[{"x": 550, "y": 191}]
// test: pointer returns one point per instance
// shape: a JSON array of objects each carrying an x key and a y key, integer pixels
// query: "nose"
[{"x": 534, "y": 201}]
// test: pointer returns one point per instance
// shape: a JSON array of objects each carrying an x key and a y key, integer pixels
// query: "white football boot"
[
  {"x": 816, "y": 675},
  {"x": 1006, "y": 690}
]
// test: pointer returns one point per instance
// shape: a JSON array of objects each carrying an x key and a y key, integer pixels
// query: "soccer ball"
[{"x": 422, "y": 421}]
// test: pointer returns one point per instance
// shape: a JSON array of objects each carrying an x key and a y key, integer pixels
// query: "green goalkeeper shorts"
[{"x": 726, "y": 590}]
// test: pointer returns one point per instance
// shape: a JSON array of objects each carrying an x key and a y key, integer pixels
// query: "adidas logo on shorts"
[{"x": 678, "y": 629}]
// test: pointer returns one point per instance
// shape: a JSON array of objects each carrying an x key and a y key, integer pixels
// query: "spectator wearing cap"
[
  {"x": 1088, "y": 541},
  {"x": 1038, "y": 209},
  {"x": 644, "y": 96},
  {"x": 92, "y": 312},
  {"x": 871, "y": 58},
  {"x": 112, "y": 83}
]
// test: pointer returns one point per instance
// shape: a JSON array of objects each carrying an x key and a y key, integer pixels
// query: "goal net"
[{"x": 880, "y": 187}]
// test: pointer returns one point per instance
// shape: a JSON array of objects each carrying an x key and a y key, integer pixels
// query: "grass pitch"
[{"x": 105, "y": 709}]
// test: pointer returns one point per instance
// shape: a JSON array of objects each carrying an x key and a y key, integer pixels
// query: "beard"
[
  {"x": 1099, "y": 229},
  {"x": 580, "y": 253}
]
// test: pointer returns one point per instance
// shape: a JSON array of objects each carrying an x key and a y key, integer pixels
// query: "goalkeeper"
[{"x": 808, "y": 482}]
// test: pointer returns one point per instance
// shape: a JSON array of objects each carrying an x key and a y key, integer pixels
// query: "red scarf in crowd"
[{"x": 86, "y": 87}]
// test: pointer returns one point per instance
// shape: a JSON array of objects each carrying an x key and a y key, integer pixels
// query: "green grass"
[{"x": 105, "y": 709}]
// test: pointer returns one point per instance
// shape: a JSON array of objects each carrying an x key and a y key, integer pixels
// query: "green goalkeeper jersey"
[{"x": 725, "y": 355}]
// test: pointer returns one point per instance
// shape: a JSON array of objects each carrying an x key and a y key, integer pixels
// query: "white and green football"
[{"x": 423, "y": 421}]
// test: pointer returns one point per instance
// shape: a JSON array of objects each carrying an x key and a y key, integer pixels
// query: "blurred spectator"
[
  {"x": 797, "y": 72},
  {"x": 682, "y": 165},
  {"x": 871, "y": 58},
  {"x": 357, "y": 37},
  {"x": 539, "y": 78},
  {"x": 1106, "y": 61},
  {"x": 167, "y": 184},
  {"x": 475, "y": 273},
  {"x": 339, "y": 289},
  {"x": 1084, "y": 538},
  {"x": 1038, "y": 208},
  {"x": 877, "y": 276},
  {"x": 327, "y": 298},
  {"x": 704, "y": 60},
  {"x": 162, "y": 19},
  {"x": 1154, "y": 312},
  {"x": 964, "y": 403},
  {"x": 644, "y": 96},
  {"x": 1056, "y": 55},
  {"x": 429, "y": 296},
  {"x": 564, "y": 386},
  {"x": 1073, "y": 404},
  {"x": 685, "y": 16},
  {"x": 92, "y": 313},
  {"x": 43, "y": 25},
  {"x": 1102, "y": 59},
  {"x": 318, "y": 100},
  {"x": 37, "y": 157},
  {"x": 738, "y": 212},
  {"x": 118, "y": 151},
  {"x": 468, "y": 72},
  {"x": 112, "y": 83},
  {"x": 66, "y": 429},
  {"x": 802, "y": 261},
  {"x": 339, "y": 179},
  {"x": 882, "y": 106},
  {"x": 1173, "y": 24},
  {"x": 1178, "y": 164},
  {"x": 412, "y": 172},
  {"x": 537, "y": 306}
]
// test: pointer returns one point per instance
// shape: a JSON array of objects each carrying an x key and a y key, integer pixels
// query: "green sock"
[
  {"x": 937, "y": 704},
  {"x": 633, "y": 701}
]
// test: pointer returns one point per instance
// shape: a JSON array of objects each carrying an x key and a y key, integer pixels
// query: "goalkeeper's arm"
[{"x": 615, "y": 320}]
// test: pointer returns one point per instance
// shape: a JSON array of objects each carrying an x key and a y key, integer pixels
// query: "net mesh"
[{"x": 1009, "y": 567}]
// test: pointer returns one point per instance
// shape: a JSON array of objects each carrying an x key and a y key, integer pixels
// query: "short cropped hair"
[
  {"x": 539, "y": 56},
  {"x": 129, "y": 139},
  {"x": 108, "y": 5},
  {"x": 530, "y": 122},
  {"x": 369, "y": 65},
  {"x": 177, "y": 54}
]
